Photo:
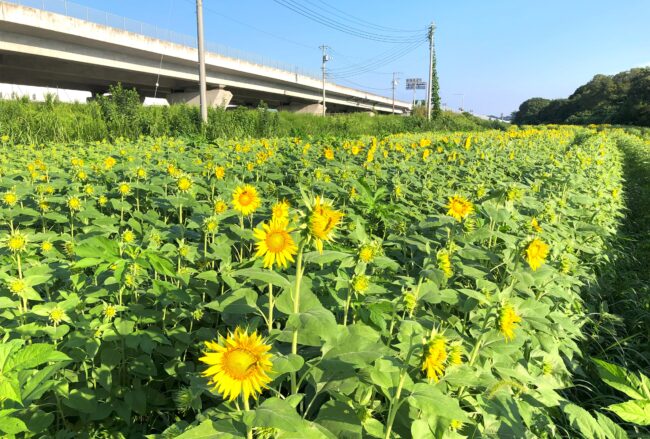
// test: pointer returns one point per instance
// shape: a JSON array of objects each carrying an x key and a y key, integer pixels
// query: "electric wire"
[
  {"x": 359, "y": 21},
  {"x": 337, "y": 25},
  {"x": 374, "y": 65}
]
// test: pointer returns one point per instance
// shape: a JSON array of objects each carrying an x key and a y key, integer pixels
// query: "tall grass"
[{"x": 52, "y": 121}]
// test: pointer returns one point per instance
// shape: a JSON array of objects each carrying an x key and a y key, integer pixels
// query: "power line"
[
  {"x": 345, "y": 16},
  {"x": 255, "y": 28},
  {"x": 337, "y": 25},
  {"x": 369, "y": 67},
  {"x": 379, "y": 59}
]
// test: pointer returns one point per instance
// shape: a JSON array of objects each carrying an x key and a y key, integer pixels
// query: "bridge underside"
[{"x": 24, "y": 69}]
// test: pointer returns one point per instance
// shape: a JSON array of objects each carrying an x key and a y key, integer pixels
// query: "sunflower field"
[{"x": 425, "y": 286}]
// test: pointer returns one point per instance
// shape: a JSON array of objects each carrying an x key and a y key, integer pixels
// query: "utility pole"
[
  {"x": 395, "y": 82},
  {"x": 326, "y": 58},
  {"x": 431, "y": 73},
  {"x": 202, "y": 86}
]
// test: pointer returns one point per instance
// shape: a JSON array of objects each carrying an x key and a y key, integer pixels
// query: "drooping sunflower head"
[
  {"x": 459, "y": 207},
  {"x": 508, "y": 319},
  {"x": 435, "y": 356},
  {"x": 275, "y": 243},
  {"x": 245, "y": 199},
  {"x": 238, "y": 364},
  {"x": 444, "y": 263},
  {"x": 323, "y": 221},
  {"x": 536, "y": 253}
]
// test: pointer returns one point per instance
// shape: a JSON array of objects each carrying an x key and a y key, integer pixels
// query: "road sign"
[{"x": 415, "y": 84}]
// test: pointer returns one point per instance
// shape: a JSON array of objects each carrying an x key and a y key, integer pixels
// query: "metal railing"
[{"x": 75, "y": 10}]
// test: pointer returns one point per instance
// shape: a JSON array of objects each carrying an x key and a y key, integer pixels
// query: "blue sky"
[{"x": 496, "y": 53}]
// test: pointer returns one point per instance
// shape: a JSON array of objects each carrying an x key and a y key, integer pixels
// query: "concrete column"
[
  {"x": 218, "y": 97},
  {"x": 302, "y": 107}
]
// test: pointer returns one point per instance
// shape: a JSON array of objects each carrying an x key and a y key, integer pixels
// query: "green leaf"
[
  {"x": 327, "y": 257},
  {"x": 277, "y": 413},
  {"x": 340, "y": 419},
  {"x": 432, "y": 402},
  {"x": 10, "y": 424},
  {"x": 286, "y": 364},
  {"x": 620, "y": 379},
  {"x": 637, "y": 412},
  {"x": 34, "y": 355},
  {"x": 611, "y": 429},
  {"x": 313, "y": 326},
  {"x": 266, "y": 276},
  {"x": 107, "y": 249},
  {"x": 82, "y": 400},
  {"x": 209, "y": 429}
]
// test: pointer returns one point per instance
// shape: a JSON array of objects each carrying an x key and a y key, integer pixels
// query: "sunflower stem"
[
  {"x": 394, "y": 404},
  {"x": 249, "y": 430},
  {"x": 347, "y": 308},
  {"x": 271, "y": 305},
  {"x": 296, "y": 310}
]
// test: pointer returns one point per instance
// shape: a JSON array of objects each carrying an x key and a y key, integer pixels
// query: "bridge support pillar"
[
  {"x": 301, "y": 107},
  {"x": 218, "y": 97}
]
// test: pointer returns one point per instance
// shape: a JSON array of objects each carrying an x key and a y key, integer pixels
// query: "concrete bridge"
[{"x": 43, "y": 48}]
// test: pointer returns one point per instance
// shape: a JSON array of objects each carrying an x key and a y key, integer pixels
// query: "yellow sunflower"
[
  {"x": 322, "y": 222},
  {"x": 508, "y": 319},
  {"x": 280, "y": 210},
  {"x": 245, "y": 199},
  {"x": 459, "y": 207},
  {"x": 238, "y": 365},
  {"x": 275, "y": 243},
  {"x": 435, "y": 355},
  {"x": 536, "y": 253}
]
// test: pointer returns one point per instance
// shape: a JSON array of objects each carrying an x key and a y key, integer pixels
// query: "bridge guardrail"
[{"x": 82, "y": 12}]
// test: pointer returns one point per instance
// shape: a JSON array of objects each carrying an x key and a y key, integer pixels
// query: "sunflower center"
[
  {"x": 245, "y": 199},
  {"x": 276, "y": 241},
  {"x": 237, "y": 362}
]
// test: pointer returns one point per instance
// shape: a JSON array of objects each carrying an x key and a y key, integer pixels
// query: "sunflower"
[
  {"x": 360, "y": 284},
  {"x": 280, "y": 210},
  {"x": 444, "y": 263},
  {"x": 322, "y": 222},
  {"x": 435, "y": 355},
  {"x": 219, "y": 206},
  {"x": 57, "y": 315},
  {"x": 329, "y": 153},
  {"x": 74, "y": 204},
  {"x": 245, "y": 199},
  {"x": 275, "y": 243},
  {"x": 238, "y": 365},
  {"x": 184, "y": 183},
  {"x": 508, "y": 319},
  {"x": 16, "y": 242},
  {"x": 10, "y": 198},
  {"x": 219, "y": 172},
  {"x": 536, "y": 253},
  {"x": 124, "y": 189},
  {"x": 367, "y": 253},
  {"x": 459, "y": 207}
]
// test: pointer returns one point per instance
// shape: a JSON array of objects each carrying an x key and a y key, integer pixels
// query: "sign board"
[{"x": 415, "y": 84}]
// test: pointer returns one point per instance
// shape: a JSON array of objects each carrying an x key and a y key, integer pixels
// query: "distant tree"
[
  {"x": 623, "y": 98},
  {"x": 528, "y": 113}
]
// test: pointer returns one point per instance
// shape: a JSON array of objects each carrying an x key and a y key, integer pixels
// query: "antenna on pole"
[
  {"x": 201, "y": 49},
  {"x": 325, "y": 58}
]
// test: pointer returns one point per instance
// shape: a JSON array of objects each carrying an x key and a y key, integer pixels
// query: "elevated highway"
[{"x": 43, "y": 48}]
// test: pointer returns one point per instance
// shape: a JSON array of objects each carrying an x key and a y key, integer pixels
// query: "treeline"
[
  {"x": 622, "y": 99},
  {"x": 121, "y": 114}
]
